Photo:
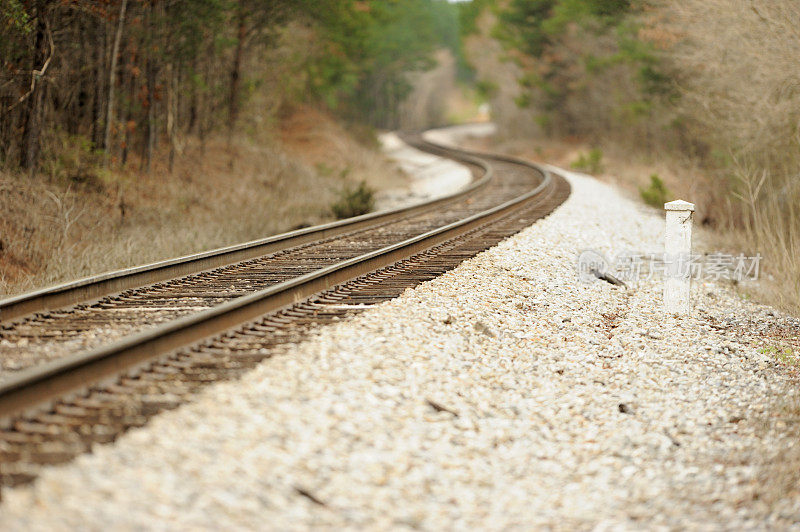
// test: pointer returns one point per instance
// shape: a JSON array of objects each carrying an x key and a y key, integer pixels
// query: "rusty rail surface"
[
  {"x": 91, "y": 288},
  {"x": 121, "y": 384}
]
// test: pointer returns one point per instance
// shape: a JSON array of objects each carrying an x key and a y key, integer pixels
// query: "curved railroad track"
[{"x": 84, "y": 361}]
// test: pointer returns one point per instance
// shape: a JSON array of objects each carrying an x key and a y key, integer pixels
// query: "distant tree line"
[
  {"x": 585, "y": 68},
  {"x": 127, "y": 75}
]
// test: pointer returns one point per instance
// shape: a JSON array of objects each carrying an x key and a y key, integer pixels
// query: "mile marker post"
[{"x": 678, "y": 250}]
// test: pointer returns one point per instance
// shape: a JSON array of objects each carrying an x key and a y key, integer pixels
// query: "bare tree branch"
[{"x": 35, "y": 74}]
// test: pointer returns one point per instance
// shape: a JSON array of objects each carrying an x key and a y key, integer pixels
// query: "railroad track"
[{"x": 85, "y": 361}]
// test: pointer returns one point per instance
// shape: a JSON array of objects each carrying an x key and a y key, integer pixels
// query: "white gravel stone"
[
  {"x": 430, "y": 176},
  {"x": 503, "y": 394}
]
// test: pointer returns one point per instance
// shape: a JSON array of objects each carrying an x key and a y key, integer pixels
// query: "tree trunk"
[
  {"x": 233, "y": 109},
  {"x": 32, "y": 113},
  {"x": 193, "y": 101},
  {"x": 150, "y": 75},
  {"x": 206, "y": 108},
  {"x": 126, "y": 145},
  {"x": 97, "y": 101},
  {"x": 172, "y": 112},
  {"x": 75, "y": 106},
  {"x": 31, "y": 133},
  {"x": 112, "y": 81},
  {"x": 150, "y": 143}
]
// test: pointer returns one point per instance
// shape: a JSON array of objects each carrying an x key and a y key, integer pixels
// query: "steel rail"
[
  {"x": 39, "y": 386},
  {"x": 94, "y": 287}
]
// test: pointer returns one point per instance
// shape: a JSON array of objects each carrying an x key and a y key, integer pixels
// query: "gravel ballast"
[
  {"x": 430, "y": 177},
  {"x": 504, "y": 394}
]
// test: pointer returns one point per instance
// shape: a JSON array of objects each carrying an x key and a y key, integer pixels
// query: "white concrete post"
[{"x": 678, "y": 250}]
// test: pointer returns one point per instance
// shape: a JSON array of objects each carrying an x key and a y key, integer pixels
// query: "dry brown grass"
[
  {"x": 740, "y": 82},
  {"x": 53, "y": 229},
  {"x": 730, "y": 143},
  {"x": 630, "y": 171}
]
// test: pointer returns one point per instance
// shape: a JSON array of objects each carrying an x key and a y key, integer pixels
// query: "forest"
[{"x": 123, "y": 75}]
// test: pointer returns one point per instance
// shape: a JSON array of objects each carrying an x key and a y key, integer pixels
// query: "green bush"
[
  {"x": 354, "y": 201},
  {"x": 486, "y": 89},
  {"x": 591, "y": 162},
  {"x": 656, "y": 195},
  {"x": 73, "y": 158},
  {"x": 523, "y": 100}
]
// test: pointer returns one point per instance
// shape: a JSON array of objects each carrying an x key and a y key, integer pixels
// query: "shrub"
[
  {"x": 656, "y": 195},
  {"x": 486, "y": 89},
  {"x": 590, "y": 162},
  {"x": 73, "y": 158},
  {"x": 354, "y": 201},
  {"x": 523, "y": 100}
]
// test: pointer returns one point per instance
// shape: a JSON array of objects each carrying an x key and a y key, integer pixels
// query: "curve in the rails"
[
  {"x": 52, "y": 335},
  {"x": 126, "y": 394},
  {"x": 207, "y": 304},
  {"x": 90, "y": 289}
]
